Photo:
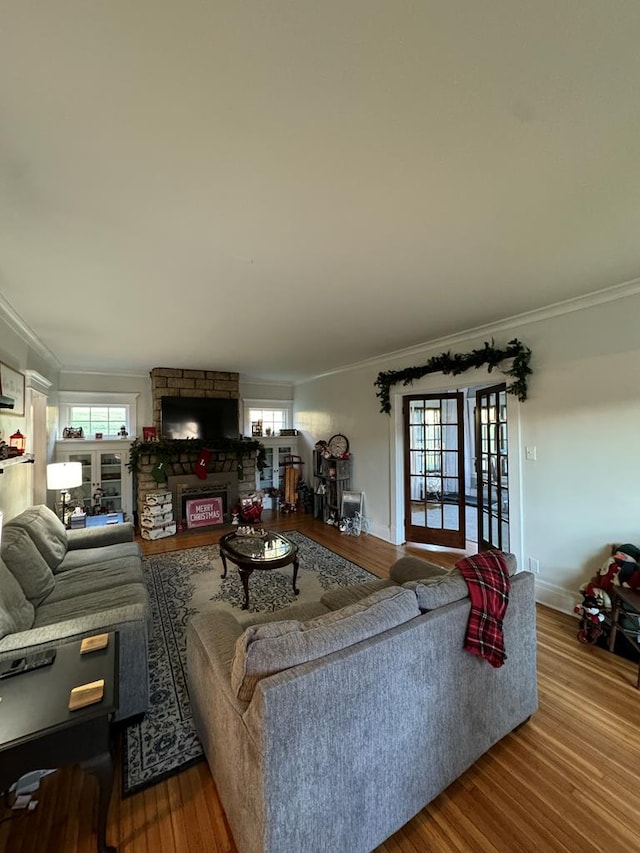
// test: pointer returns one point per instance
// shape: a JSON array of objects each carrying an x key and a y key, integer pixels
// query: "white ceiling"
[{"x": 282, "y": 188}]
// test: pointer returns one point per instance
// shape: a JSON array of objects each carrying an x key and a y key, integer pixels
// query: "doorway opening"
[
  {"x": 457, "y": 483},
  {"x": 456, "y": 468}
]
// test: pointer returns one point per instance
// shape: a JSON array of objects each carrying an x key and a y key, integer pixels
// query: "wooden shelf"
[{"x": 16, "y": 460}]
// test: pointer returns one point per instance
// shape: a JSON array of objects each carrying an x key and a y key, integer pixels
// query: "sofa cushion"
[
  {"x": 87, "y": 557},
  {"x": 96, "y": 537},
  {"x": 263, "y": 650},
  {"x": 110, "y": 575},
  {"x": 83, "y": 607},
  {"x": 46, "y": 531},
  {"x": 439, "y": 591},
  {"x": 16, "y": 612},
  {"x": 26, "y": 563}
]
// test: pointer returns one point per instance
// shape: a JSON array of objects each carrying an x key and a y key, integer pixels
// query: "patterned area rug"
[{"x": 181, "y": 584}]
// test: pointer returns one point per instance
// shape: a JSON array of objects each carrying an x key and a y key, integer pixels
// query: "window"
[
  {"x": 274, "y": 415},
  {"x": 104, "y": 419},
  {"x": 98, "y": 412}
]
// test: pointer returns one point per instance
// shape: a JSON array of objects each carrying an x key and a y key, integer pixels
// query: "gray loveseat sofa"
[
  {"x": 328, "y": 726},
  {"x": 59, "y": 585}
]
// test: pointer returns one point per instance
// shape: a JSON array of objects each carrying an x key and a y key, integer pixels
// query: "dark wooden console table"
[{"x": 37, "y": 729}]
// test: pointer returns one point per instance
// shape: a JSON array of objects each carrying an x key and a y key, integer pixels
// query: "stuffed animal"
[
  {"x": 591, "y": 618},
  {"x": 621, "y": 569}
]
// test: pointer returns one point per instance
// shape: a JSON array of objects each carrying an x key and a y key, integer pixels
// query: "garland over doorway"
[{"x": 458, "y": 363}]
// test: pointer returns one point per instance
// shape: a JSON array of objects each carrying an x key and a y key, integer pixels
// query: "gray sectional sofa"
[
  {"x": 59, "y": 585},
  {"x": 329, "y": 726}
]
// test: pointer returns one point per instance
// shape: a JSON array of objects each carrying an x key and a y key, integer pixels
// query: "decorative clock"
[{"x": 338, "y": 445}]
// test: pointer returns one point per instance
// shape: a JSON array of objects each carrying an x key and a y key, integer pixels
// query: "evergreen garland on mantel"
[
  {"x": 168, "y": 449},
  {"x": 459, "y": 362}
]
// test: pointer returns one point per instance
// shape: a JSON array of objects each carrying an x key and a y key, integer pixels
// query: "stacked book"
[{"x": 156, "y": 520}]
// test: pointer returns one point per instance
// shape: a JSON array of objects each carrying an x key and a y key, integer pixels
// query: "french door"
[
  {"x": 492, "y": 468},
  {"x": 434, "y": 497}
]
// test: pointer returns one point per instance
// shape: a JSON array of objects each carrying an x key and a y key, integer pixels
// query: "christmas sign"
[{"x": 202, "y": 512}]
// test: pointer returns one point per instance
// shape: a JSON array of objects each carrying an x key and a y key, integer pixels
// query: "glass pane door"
[
  {"x": 434, "y": 469},
  {"x": 492, "y": 465},
  {"x": 84, "y": 492},
  {"x": 110, "y": 465}
]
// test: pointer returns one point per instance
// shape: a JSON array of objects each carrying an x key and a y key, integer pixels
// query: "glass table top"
[{"x": 261, "y": 549}]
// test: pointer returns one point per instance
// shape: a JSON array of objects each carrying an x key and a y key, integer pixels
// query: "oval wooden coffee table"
[{"x": 258, "y": 553}]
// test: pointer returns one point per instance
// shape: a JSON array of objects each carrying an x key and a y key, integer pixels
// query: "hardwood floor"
[{"x": 568, "y": 780}]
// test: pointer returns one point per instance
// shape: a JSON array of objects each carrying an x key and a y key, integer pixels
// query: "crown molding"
[
  {"x": 17, "y": 324},
  {"x": 557, "y": 309},
  {"x": 102, "y": 372}
]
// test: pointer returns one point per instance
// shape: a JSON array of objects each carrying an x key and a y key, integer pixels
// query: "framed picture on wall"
[
  {"x": 149, "y": 433},
  {"x": 12, "y": 385}
]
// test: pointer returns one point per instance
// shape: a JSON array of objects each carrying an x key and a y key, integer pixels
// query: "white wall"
[
  {"x": 581, "y": 494},
  {"x": 17, "y": 483},
  {"x": 118, "y": 383}
]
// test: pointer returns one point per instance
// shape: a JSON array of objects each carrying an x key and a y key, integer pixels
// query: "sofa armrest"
[
  {"x": 211, "y": 645},
  {"x": 97, "y": 537}
]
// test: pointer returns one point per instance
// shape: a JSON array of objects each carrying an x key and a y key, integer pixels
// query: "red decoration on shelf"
[{"x": 18, "y": 441}]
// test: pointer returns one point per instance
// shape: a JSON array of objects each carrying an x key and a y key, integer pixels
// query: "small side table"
[
  {"x": 625, "y": 602},
  {"x": 37, "y": 729}
]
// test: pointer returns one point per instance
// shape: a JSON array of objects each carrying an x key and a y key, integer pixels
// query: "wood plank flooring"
[{"x": 568, "y": 780}]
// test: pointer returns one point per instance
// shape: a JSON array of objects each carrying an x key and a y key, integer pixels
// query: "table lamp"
[{"x": 62, "y": 476}]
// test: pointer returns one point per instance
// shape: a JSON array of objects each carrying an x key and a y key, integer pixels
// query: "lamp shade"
[{"x": 64, "y": 475}]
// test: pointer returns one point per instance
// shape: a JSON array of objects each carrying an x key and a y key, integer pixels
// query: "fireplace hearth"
[{"x": 186, "y": 487}]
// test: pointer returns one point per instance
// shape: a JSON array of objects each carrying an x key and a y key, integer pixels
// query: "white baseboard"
[
  {"x": 556, "y": 596},
  {"x": 380, "y": 531}
]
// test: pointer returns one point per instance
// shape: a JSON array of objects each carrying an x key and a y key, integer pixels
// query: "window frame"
[
  {"x": 285, "y": 406},
  {"x": 68, "y": 399}
]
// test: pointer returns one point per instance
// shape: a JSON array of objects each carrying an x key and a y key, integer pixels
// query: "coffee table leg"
[
  {"x": 224, "y": 563},
  {"x": 102, "y": 768},
  {"x": 245, "y": 574},
  {"x": 296, "y": 591}
]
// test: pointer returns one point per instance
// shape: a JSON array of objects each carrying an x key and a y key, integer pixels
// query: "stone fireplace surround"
[
  {"x": 181, "y": 469},
  {"x": 176, "y": 382}
]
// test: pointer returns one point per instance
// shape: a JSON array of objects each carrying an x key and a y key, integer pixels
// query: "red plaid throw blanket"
[{"x": 487, "y": 577}]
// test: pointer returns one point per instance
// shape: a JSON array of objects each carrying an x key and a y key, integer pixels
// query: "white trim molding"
[
  {"x": 15, "y": 322},
  {"x": 37, "y": 382}
]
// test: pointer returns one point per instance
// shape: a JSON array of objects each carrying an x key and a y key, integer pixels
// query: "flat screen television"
[{"x": 198, "y": 417}]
